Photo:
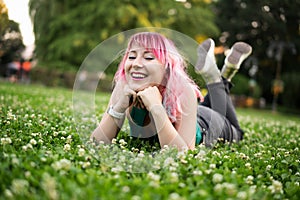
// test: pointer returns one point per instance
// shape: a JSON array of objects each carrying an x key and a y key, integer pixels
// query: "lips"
[{"x": 138, "y": 75}]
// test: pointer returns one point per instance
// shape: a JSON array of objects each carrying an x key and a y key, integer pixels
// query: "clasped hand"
[{"x": 143, "y": 98}]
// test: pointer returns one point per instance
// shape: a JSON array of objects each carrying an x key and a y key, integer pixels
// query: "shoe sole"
[
  {"x": 204, "y": 47},
  {"x": 238, "y": 53}
]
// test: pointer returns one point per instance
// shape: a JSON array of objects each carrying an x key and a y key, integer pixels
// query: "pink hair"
[{"x": 166, "y": 52}]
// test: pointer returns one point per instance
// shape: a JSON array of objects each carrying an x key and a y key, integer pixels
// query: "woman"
[{"x": 159, "y": 100}]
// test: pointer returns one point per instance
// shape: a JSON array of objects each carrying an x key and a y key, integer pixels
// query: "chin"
[{"x": 137, "y": 87}]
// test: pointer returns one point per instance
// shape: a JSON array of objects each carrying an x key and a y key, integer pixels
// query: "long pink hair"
[{"x": 166, "y": 52}]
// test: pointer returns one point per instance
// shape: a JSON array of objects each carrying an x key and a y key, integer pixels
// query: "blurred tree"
[
  {"x": 263, "y": 24},
  {"x": 66, "y": 31},
  {"x": 11, "y": 43}
]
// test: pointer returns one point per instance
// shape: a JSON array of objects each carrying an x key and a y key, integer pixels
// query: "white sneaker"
[
  {"x": 238, "y": 53},
  {"x": 205, "y": 53}
]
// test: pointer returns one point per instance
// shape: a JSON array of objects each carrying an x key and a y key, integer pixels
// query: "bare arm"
[
  {"x": 184, "y": 133},
  {"x": 109, "y": 126}
]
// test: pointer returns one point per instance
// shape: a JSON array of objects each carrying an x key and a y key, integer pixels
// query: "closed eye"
[
  {"x": 131, "y": 57},
  {"x": 149, "y": 58}
]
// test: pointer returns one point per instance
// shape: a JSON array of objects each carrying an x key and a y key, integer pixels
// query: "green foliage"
[
  {"x": 242, "y": 86},
  {"x": 11, "y": 44},
  {"x": 44, "y": 157},
  {"x": 291, "y": 89},
  {"x": 68, "y": 30},
  {"x": 262, "y": 23}
]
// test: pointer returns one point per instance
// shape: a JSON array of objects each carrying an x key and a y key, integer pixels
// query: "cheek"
[
  {"x": 160, "y": 74},
  {"x": 126, "y": 67}
]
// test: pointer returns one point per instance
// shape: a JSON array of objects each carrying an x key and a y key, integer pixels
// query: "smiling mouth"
[{"x": 138, "y": 75}]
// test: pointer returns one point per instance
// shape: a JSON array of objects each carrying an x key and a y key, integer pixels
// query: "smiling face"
[{"x": 142, "y": 68}]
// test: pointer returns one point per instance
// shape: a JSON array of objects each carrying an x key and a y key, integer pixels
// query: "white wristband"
[{"x": 115, "y": 114}]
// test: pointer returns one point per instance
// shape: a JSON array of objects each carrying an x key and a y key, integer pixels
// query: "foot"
[
  {"x": 206, "y": 64},
  {"x": 238, "y": 53},
  {"x": 205, "y": 51}
]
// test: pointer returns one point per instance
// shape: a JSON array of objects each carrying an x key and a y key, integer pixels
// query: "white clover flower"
[
  {"x": 8, "y": 194},
  {"x": 141, "y": 155},
  {"x": 49, "y": 186},
  {"x": 268, "y": 167},
  {"x": 218, "y": 188},
  {"x": 11, "y": 116},
  {"x": 63, "y": 132},
  {"x": 174, "y": 177},
  {"x": 33, "y": 142},
  {"x": 215, "y": 153},
  {"x": 67, "y": 147},
  {"x": 86, "y": 165},
  {"x": 248, "y": 165},
  {"x": 81, "y": 152},
  {"x": 169, "y": 161},
  {"x": 230, "y": 188},
  {"x": 114, "y": 141},
  {"x": 153, "y": 177},
  {"x": 135, "y": 197},
  {"x": 63, "y": 164},
  {"x": 19, "y": 186},
  {"x": 182, "y": 185},
  {"x": 154, "y": 184},
  {"x": 126, "y": 189},
  {"x": 122, "y": 142},
  {"x": 242, "y": 195},
  {"x": 217, "y": 178},
  {"x": 117, "y": 169},
  {"x": 15, "y": 161},
  {"x": 174, "y": 196},
  {"x": 172, "y": 168},
  {"x": 201, "y": 154},
  {"x": 27, "y": 174},
  {"x": 249, "y": 179},
  {"x": 34, "y": 134},
  {"x": 272, "y": 158},
  {"x": 276, "y": 187},
  {"x": 212, "y": 166},
  {"x": 156, "y": 165},
  {"x": 252, "y": 189},
  {"x": 24, "y": 147},
  {"x": 197, "y": 172},
  {"x": 69, "y": 139},
  {"x": 5, "y": 141}
]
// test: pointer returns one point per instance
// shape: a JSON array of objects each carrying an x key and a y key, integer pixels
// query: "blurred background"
[{"x": 61, "y": 33}]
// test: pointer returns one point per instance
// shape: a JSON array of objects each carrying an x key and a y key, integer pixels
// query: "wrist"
[
  {"x": 118, "y": 108},
  {"x": 156, "y": 108},
  {"x": 114, "y": 113},
  {"x": 159, "y": 115}
]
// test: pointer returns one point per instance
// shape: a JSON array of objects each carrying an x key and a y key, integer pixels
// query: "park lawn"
[{"x": 44, "y": 156}]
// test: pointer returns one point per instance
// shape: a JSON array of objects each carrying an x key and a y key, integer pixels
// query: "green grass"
[{"x": 44, "y": 155}]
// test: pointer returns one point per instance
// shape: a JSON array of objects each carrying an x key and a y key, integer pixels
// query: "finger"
[{"x": 141, "y": 102}]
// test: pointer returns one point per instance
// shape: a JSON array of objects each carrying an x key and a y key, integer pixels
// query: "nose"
[{"x": 137, "y": 63}]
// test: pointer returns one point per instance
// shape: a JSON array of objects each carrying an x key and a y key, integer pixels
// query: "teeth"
[{"x": 137, "y": 75}]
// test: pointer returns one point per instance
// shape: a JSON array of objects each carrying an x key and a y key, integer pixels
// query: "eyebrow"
[{"x": 134, "y": 51}]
